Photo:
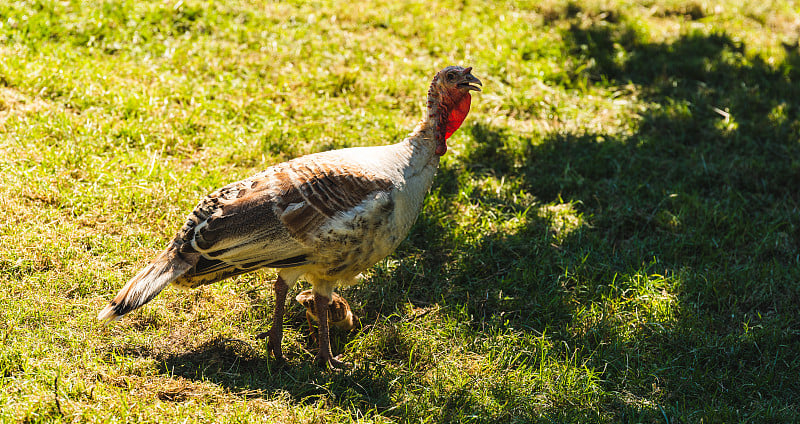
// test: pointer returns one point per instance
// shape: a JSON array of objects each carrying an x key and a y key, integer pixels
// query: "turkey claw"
[
  {"x": 273, "y": 344},
  {"x": 332, "y": 363}
]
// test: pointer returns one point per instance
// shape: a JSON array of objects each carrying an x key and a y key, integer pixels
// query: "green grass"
[{"x": 613, "y": 236}]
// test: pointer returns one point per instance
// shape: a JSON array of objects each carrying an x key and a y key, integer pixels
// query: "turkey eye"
[{"x": 451, "y": 76}]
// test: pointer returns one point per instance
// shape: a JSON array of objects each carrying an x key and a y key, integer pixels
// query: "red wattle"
[{"x": 456, "y": 117}]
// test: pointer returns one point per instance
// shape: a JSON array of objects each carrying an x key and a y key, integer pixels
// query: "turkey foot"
[
  {"x": 332, "y": 363},
  {"x": 273, "y": 342}
]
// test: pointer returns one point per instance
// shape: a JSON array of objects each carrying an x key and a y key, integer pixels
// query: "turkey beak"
[{"x": 469, "y": 80}]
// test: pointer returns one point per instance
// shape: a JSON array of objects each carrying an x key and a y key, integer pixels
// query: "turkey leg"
[
  {"x": 275, "y": 333},
  {"x": 324, "y": 356}
]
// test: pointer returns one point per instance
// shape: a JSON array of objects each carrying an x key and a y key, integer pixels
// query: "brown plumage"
[
  {"x": 325, "y": 217},
  {"x": 339, "y": 313}
]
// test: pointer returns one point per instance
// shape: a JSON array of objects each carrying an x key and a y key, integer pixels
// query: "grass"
[{"x": 613, "y": 236}]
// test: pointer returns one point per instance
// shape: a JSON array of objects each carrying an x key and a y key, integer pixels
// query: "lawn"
[{"x": 613, "y": 235}]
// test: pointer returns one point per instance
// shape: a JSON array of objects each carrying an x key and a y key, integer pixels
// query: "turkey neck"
[{"x": 429, "y": 134}]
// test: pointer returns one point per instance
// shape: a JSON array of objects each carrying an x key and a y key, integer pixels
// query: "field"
[{"x": 613, "y": 236}]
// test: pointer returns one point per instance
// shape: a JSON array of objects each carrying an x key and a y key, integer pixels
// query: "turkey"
[{"x": 325, "y": 217}]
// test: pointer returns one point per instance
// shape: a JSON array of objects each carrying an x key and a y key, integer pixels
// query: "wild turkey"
[
  {"x": 339, "y": 313},
  {"x": 326, "y": 217}
]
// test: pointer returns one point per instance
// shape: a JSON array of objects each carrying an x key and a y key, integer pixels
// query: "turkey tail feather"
[{"x": 145, "y": 285}]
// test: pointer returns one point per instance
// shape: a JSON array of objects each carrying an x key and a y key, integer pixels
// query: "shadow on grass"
[
  {"x": 240, "y": 368},
  {"x": 704, "y": 196}
]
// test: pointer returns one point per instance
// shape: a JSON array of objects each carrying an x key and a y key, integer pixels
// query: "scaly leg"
[
  {"x": 275, "y": 333},
  {"x": 325, "y": 356}
]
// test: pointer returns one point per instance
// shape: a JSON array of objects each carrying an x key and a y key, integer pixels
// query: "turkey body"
[{"x": 325, "y": 217}]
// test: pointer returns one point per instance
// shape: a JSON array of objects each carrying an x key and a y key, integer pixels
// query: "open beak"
[{"x": 469, "y": 80}]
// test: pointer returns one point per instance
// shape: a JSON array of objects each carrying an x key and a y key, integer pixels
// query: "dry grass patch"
[{"x": 14, "y": 103}]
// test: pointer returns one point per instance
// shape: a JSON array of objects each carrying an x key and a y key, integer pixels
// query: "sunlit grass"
[{"x": 613, "y": 235}]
